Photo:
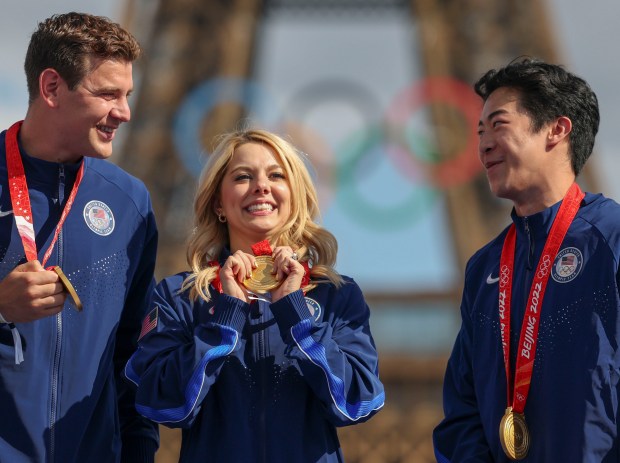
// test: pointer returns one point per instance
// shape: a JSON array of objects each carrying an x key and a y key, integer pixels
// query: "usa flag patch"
[{"x": 149, "y": 322}]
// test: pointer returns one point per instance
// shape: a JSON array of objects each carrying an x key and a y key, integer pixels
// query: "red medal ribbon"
[
  {"x": 20, "y": 198},
  {"x": 262, "y": 248},
  {"x": 531, "y": 320},
  {"x": 216, "y": 283}
]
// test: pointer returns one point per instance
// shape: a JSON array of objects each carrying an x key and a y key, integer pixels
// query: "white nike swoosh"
[
  {"x": 2, "y": 214},
  {"x": 491, "y": 280}
]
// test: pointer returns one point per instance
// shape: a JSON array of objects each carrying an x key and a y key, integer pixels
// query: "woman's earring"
[{"x": 221, "y": 217}]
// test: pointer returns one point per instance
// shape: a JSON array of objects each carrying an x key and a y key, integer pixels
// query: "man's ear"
[
  {"x": 558, "y": 131},
  {"x": 49, "y": 86}
]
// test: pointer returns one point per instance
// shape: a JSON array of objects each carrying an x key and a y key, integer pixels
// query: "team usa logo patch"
[
  {"x": 314, "y": 308},
  {"x": 567, "y": 265},
  {"x": 99, "y": 218}
]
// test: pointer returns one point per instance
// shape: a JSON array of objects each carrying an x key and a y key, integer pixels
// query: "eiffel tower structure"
[{"x": 190, "y": 41}]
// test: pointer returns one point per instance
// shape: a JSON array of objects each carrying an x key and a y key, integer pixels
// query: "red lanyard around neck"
[
  {"x": 20, "y": 198},
  {"x": 531, "y": 320}
]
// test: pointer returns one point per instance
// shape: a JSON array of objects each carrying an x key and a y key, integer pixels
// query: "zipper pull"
[{"x": 61, "y": 184}]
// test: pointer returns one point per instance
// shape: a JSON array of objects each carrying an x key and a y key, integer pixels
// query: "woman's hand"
[
  {"x": 288, "y": 270},
  {"x": 237, "y": 268}
]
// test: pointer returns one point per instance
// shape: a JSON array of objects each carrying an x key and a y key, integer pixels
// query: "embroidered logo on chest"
[
  {"x": 567, "y": 265},
  {"x": 314, "y": 308},
  {"x": 99, "y": 218}
]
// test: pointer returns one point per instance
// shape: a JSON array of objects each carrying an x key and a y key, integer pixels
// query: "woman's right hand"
[{"x": 235, "y": 270}]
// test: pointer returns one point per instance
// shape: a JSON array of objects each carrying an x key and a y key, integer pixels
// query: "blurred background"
[{"x": 377, "y": 93}]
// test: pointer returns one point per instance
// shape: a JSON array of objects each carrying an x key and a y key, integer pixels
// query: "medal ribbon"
[
  {"x": 262, "y": 248},
  {"x": 20, "y": 199},
  {"x": 531, "y": 320}
]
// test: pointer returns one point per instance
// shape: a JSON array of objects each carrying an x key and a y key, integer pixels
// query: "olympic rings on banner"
[
  {"x": 353, "y": 94},
  {"x": 201, "y": 101},
  {"x": 296, "y": 123},
  {"x": 381, "y": 215},
  {"x": 337, "y": 171},
  {"x": 459, "y": 168}
]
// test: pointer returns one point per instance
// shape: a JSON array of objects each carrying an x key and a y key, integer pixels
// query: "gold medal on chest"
[
  {"x": 513, "y": 435},
  {"x": 262, "y": 279}
]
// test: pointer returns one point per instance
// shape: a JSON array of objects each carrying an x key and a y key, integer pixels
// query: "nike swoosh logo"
[
  {"x": 491, "y": 280},
  {"x": 2, "y": 214}
]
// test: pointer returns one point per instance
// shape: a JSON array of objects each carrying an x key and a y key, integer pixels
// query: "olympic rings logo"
[
  {"x": 504, "y": 276},
  {"x": 340, "y": 169},
  {"x": 543, "y": 267}
]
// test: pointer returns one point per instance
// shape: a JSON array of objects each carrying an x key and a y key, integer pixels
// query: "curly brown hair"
[{"x": 72, "y": 44}]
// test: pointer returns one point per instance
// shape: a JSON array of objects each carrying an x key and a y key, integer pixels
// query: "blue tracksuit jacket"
[
  {"x": 573, "y": 407},
  {"x": 258, "y": 382},
  {"x": 67, "y": 403}
]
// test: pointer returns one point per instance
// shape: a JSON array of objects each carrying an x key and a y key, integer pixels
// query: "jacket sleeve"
[
  {"x": 460, "y": 437},
  {"x": 179, "y": 360},
  {"x": 337, "y": 356},
  {"x": 140, "y": 437}
]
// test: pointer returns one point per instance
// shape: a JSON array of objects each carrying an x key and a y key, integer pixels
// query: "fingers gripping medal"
[
  {"x": 513, "y": 435},
  {"x": 262, "y": 279},
  {"x": 68, "y": 287}
]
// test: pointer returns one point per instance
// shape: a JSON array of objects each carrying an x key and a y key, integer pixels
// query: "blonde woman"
[{"x": 262, "y": 349}]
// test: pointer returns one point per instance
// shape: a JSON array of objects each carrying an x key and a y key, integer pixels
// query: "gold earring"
[{"x": 221, "y": 217}]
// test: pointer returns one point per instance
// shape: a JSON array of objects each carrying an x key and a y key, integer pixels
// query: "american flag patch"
[
  {"x": 568, "y": 259},
  {"x": 150, "y": 322}
]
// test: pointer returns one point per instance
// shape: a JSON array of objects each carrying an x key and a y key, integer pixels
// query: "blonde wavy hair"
[{"x": 301, "y": 231}]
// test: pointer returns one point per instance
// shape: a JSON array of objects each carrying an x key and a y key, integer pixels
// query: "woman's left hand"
[{"x": 288, "y": 270}]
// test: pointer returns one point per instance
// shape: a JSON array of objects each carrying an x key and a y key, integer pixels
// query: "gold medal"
[
  {"x": 262, "y": 279},
  {"x": 513, "y": 435},
  {"x": 68, "y": 287}
]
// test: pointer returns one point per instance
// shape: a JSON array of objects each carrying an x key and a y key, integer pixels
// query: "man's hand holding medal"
[
  {"x": 30, "y": 292},
  {"x": 28, "y": 286}
]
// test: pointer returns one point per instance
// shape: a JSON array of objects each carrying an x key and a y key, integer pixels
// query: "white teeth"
[
  {"x": 260, "y": 207},
  {"x": 105, "y": 129}
]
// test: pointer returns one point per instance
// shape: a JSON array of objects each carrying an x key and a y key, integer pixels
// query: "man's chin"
[
  {"x": 499, "y": 191},
  {"x": 100, "y": 153}
]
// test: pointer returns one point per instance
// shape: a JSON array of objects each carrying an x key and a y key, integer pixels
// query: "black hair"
[{"x": 546, "y": 92}]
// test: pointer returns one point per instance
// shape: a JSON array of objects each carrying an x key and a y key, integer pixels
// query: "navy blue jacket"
[
  {"x": 573, "y": 407},
  {"x": 258, "y": 382},
  {"x": 67, "y": 401}
]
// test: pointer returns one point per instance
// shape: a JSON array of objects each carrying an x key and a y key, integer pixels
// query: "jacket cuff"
[
  {"x": 230, "y": 311},
  {"x": 289, "y": 311}
]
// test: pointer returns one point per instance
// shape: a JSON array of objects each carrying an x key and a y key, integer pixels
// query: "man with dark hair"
[
  {"x": 535, "y": 370},
  {"x": 73, "y": 225}
]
